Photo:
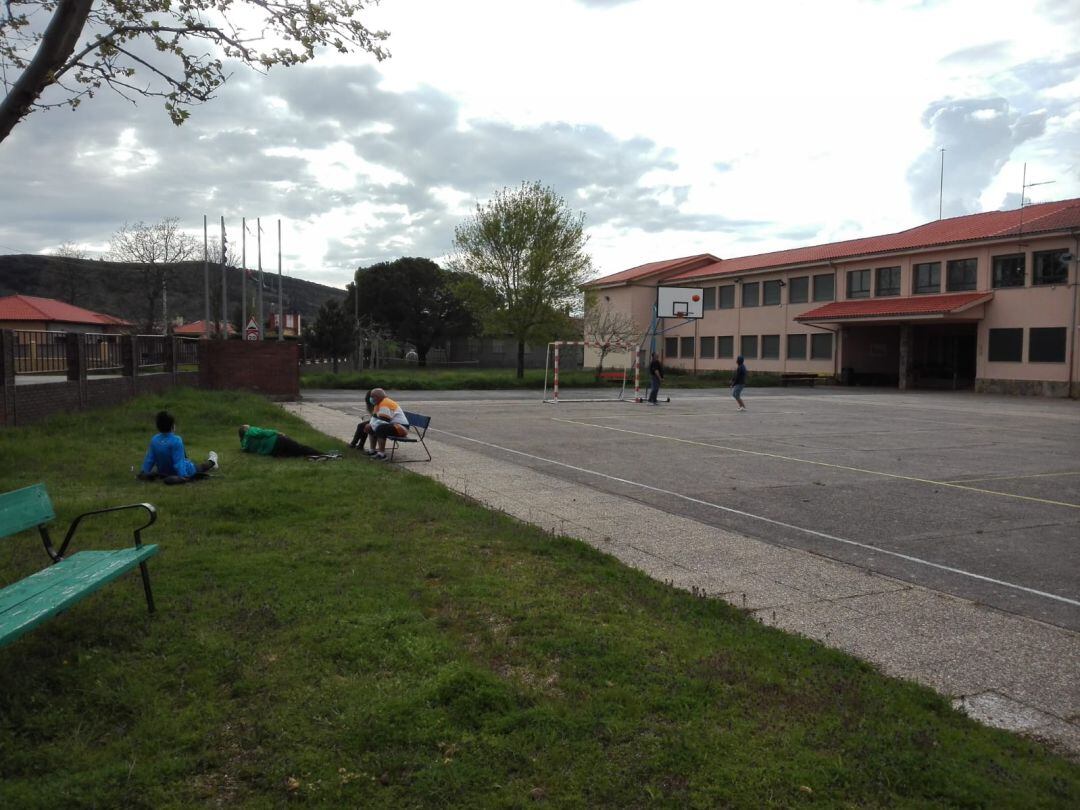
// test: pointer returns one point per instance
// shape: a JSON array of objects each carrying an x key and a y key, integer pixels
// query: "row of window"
[
  {"x": 711, "y": 348},
  {"x": 961, "y": 275},
  {"x": 1045, "y": 345}
]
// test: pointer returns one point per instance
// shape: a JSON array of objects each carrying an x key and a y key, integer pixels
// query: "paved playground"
[{"x": 934, "y": 533}]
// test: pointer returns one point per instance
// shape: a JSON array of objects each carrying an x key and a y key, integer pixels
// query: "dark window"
[
  {"x": 686, "y": 347},
  {"x": 671, "y": 347},
  {"x": 858, "y": 284},
  {"x": 770, "y": 292},
  {"x": 821, "y": 347},
  {"x": 751, "y": 294},
  {"x": 798, "y": 290},
  {"x": 824, "y": 288},
  {"x": 927, "y": 277},
  {"x": 1006, "y": 345},
  {"x": 725, "y": 346},
  {"x": 796, "y": 347},
  {"x": 708, "y": 348},
  {"x": 770, "y": 347},
  {"x": 709, "y": 299},
  {"x": 1050, "y": 267},
  {"x": 1046, "y": 345},
  {"x": 1009, "y": 271},
  {"x": 748, "y": 346},
  {"x": 888, "y": 281},
  {"x": 727, "y": 297},
  {"x": 961, "y": 274}
]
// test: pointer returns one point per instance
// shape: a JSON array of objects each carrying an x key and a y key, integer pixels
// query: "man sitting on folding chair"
[{"x": 387, "y": 419}]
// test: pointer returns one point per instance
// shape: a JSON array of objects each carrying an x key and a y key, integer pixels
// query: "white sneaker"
[{"x": 213, "y": 458}]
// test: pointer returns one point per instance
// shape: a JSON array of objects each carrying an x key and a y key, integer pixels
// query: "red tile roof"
[
  {"x": 195, "y": 328},
  {"x": 1041, "y": 218},
  {"x": 643, "y": 270},
  {"x": 896, "y": 307},
  {"x": 32, "y": 308}
]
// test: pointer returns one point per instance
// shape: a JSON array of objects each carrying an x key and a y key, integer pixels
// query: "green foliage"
[
  {"x": 334, "y": 331},
  {"x": 349, "y": 634}
]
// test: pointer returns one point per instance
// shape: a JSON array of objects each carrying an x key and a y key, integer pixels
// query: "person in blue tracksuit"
[
  {"x": 738, "y": 382},
  {"x": 166, "y": 458}
]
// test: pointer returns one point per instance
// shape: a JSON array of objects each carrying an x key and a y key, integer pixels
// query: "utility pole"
[
  {"x": 206, "y": 278},
  {"x": 243, "y": 278},
  {"x": 224, "y": 326},
  {"x": 280, "y": 305}
]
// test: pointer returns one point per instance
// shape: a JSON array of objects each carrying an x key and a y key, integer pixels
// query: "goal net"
[{"x": 630, "y": 372}]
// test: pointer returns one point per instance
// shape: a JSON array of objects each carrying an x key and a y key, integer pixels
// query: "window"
[
  {"x": 708, "y": 348},
  {"x": 497, "y": 347},
  {"x": 750, "y": 294},
  {"x": 798, "y": 291},
  {"x": 708, "y": 301},
  {"x": 927, "y": 277},
  {"x": 1046, "y": 345},
  {"x": 960, "y": 274},
  {"x": 770, "y": 292},
  {"x": 796, "y": 347},
  {"x": 824, "y": 288},
  {"x": 671, "y": 347},
  {"x": 686, "y": 347},
  {"x": 748, "y": 346},
  {"x": 1006, "y": 346},
  {"x": 725, "y": 346},
  {"x": 727, "y": 297},
  {"x": 770, "y": 347},
  {"x": 888, "y": 281},
  {"x": 1009, "y": 271},
  {"x": 1050, "y": 267},
  {"x": 858, "y": 284},
  {"x": 821, "y": 347}
]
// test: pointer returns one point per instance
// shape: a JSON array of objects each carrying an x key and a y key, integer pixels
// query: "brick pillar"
[
  {"x": 171, "y": 356},
  {"x": 906, "y": 378},
  {"x": 76, "y": 361},
  {"x": 7, "y": 377},
  {"x": 129, "y": 355}
]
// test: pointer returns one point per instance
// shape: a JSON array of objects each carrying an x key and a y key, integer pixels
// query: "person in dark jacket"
[
  {"x": 656, "y": 376},
  {"x": 738, "y": 382}
]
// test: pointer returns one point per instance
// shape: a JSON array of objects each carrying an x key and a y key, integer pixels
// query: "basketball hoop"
[{"x": 680, "y": 314}]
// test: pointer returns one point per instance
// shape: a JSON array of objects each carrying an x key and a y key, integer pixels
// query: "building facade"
[{"x": 985, "y": 302}]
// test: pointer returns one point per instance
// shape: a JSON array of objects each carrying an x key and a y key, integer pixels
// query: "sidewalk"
[{"x": 1004, "y": 670}]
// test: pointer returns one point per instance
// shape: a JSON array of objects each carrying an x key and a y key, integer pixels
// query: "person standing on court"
[
  {"x": 738, "y": 381},
  {"x": 656, "y": 376}
]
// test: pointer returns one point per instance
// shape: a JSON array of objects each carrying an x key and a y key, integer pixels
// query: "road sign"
[{"x": 251, "y": 332}]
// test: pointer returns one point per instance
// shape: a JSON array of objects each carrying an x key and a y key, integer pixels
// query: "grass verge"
[{"x": 346, "y": 634}]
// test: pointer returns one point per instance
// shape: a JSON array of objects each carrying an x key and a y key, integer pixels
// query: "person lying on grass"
[
  {"x": 166, "y": 458},
  {"x": 387, "y": 419},
  {"x": 270, "y": 442}
]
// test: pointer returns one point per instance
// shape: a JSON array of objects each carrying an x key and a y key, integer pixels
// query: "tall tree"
[
  {"x": 170, "y": 50},
  {"x": 608, "y": 328},
  {"x": 334, "y": 331},
  {"x": 415, "y": 300},
  {"x": 527, "y": 248},
  {"x": 154, "y": 248}
]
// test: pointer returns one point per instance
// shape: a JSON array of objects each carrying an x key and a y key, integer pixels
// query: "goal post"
[{"x": 631, "y": 368}]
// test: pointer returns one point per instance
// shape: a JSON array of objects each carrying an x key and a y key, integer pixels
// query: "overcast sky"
[{"x": 675, "y": 126}]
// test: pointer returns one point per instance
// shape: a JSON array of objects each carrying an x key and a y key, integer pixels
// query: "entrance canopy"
[{"x": 956, "y": 306}]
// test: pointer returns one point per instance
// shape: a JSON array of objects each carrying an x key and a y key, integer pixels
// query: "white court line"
[{"x": 764, "y": 519}]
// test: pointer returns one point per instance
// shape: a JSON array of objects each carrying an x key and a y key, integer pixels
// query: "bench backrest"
[
  {"x": 418, "y": 421},
  {"x": 24, "y": 509}
]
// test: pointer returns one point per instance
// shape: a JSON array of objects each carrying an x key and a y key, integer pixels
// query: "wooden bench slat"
[{"x": 24, "y": 509}]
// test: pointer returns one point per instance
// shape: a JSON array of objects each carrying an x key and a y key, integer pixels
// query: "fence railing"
[
  {"x": 187, "y": 357},
  {"x": 40, "y": 352},
  {"x": 151, "y": 357},
  {"x": 103, "y": 353}
]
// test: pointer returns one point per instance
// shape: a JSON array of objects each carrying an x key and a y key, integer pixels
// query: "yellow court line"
[
  {"x": 1013, "y": 477},
  {"x": 822, "y": 464}
]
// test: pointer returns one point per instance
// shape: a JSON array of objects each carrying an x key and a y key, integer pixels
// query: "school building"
[{"x": 985, "y": 302}]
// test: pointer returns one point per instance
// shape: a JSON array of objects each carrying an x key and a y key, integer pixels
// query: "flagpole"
[
  {"x": 258, "y": 240},
  {"x": 206, "y": 277},
  {"x": 280, "y": 305},
  {"x": 243, "y": 277},
  {"x": 224, "y": 326}
]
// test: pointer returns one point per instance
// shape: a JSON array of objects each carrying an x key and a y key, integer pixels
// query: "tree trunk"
[
  {"x": 335, "y": 362},
  {"x": 421, "y": 355},
  {"x": 521, "y": 359},
  {"x": 57, "y": 44}
]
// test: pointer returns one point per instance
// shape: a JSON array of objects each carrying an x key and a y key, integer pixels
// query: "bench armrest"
[{"x": 149, "y": 507}]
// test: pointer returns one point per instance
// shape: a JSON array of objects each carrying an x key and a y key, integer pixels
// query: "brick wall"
[{"x": 266, "y": 367}]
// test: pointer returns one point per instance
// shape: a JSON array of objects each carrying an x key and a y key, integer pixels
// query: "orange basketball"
[{"x": 695, "y": 298}]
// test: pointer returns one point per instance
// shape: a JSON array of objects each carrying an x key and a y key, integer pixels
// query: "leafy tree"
[
  {"x": 604, "y": 325},
  {"x": 155, "y": 247},
  {"x": 528, "y": 250},
  {"x": 160, "y": 48},
  {"x": 415, "y": 300},
  {"x": 334, "y": 331}
]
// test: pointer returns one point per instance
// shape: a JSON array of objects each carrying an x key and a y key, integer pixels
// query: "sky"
[{"x": 675, "y": 126}]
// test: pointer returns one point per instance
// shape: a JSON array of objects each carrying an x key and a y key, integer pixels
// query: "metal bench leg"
[{"x": 146, "y": 586}]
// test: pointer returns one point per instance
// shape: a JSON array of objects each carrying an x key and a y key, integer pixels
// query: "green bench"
[{"x": 29, "y": 602}]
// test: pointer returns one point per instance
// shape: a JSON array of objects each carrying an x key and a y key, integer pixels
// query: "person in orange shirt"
[{"x": 387, "y": 419}]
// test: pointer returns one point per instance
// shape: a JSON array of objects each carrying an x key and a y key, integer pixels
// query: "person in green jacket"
[{"x": 270, "y": 442}]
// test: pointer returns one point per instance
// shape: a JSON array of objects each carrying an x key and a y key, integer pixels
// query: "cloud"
[
  {"x": 604, "y": 3},
  {"x": 989, "y": 52}
]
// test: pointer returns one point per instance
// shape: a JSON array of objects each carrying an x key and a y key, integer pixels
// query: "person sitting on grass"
[
  {"x": 387, "y": 419},
  {"x": 166, "y": 458},
  {"x": 360, "y": 436},
  {"x": 270, "y": 442}
]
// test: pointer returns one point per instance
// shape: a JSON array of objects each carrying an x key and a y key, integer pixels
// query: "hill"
[{"x": 122, "y": 289}]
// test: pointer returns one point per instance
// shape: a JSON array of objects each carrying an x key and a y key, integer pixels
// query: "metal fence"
[
  {"x": 38, "y": 352},
  {"x": 187, "y": 354},
  {"x": 151, "y": 349},
  {"x": 103, "y": 355}
]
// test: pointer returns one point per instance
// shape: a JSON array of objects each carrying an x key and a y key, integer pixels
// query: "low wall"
[
  {"x": 271, "y": 368},
  {"x": 1031, "y": 388}
]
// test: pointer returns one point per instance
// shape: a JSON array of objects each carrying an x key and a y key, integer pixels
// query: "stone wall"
[{"x": 1027, "y": 388}]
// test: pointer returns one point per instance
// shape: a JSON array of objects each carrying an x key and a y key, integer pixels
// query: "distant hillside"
[{"x": 120, "y": 289}]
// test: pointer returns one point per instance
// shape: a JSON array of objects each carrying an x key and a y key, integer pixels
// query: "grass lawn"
[
  {"x": 441, "y": 379},
  {"x": 347, "y": 634}
]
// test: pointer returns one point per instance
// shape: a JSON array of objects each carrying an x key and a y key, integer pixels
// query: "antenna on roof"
[{"x": 1024, "y": 186}]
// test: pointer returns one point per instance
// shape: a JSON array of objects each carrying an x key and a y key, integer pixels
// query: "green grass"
[
  {"x": 347, "y": 634},
  {"x": 436, "y": 379}
]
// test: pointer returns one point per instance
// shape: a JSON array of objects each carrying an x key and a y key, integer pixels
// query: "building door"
[{"x": 944, "y": 356}]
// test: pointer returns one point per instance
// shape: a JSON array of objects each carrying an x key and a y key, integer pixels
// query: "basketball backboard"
[{"x": 679, "y": 302}]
